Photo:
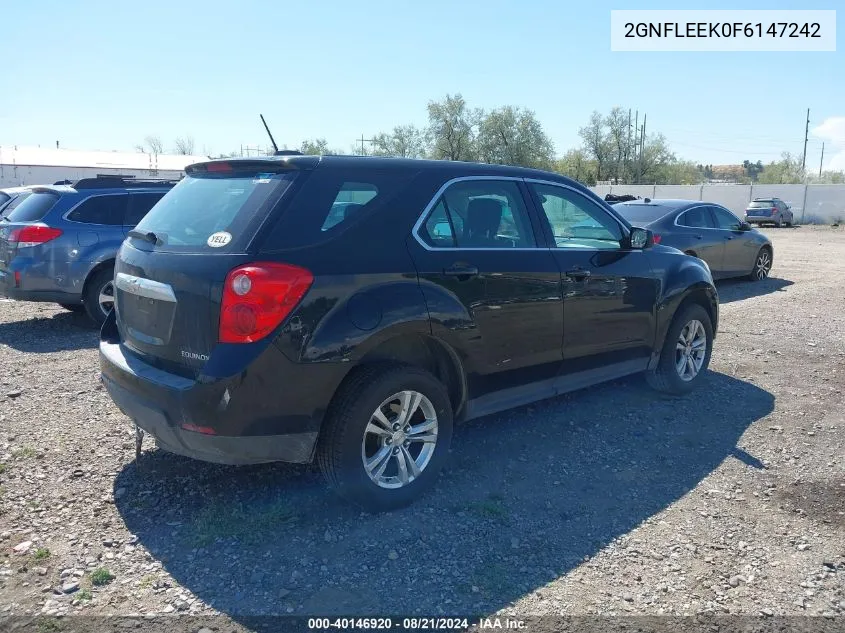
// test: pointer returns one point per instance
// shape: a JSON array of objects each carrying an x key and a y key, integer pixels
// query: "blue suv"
[{"x": 60, "y": 243}]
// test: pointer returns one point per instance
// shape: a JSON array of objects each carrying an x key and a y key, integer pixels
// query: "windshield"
[
  {"x": 32, "y": 208},
  {"x": 4, "y": 198},
  {"x": 640, "y": 213},
  {"x": 761, "y": 204},
  {"x": 213, "y": 210}
]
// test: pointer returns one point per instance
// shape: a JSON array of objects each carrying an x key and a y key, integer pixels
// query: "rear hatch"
[
  {"x": 760, "y": 208},
  {"x": 22, "y": 227},
  {"x": 171, "y": 269}
]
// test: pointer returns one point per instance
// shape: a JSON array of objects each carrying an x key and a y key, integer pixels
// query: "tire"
[
  {"x": 779, "y": 223},
  {"x": 666, "y": 377},
  {"x": 100, "y": 283},
  {"x": 762, "y": 265},
  {"x": 72, "y": 307},
  {"x": 345, "y": 441}
]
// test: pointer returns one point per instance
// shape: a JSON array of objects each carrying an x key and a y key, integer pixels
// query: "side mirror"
[
  {"x": 744, "y": 226},
  {"x": 640, "y": 238}
]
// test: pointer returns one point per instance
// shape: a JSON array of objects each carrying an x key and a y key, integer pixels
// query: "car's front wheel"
[
  {"x": 762, "y": 265},
  {"x": 386, "y": 436},
  {"x": 686, "y": 352}
]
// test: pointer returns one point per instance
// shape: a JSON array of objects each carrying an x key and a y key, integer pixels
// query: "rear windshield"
[
  {"x": 214, "y": 211},
  {"x": 761, "y": 204},
  {"x": 10, "y": 205},
  {"x": 33, "y": 207},
  {"x": 640, "y": 213}
]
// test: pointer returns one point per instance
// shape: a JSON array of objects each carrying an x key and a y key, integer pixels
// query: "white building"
[{"x": 38, "y": 166}]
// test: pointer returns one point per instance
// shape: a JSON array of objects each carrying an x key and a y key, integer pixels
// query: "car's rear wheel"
[
  {"x": 762, "y": 265},
  {"x": 686, "y": 352},
  {"x": 72, "y": 307},
  {"x": 386, "y": 436},
  {"x": 98, "y": 296}
]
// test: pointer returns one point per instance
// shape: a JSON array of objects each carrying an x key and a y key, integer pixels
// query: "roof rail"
[{"x": 105, "y": 182}]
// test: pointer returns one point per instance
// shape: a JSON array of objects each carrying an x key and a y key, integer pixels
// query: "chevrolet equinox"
[{"x": 349, "y": 309}]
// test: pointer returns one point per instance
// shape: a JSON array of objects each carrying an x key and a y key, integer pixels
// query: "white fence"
[{"x": 810, "y": 203}]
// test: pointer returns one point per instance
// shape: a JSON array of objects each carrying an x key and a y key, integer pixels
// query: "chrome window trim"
[
  {"x": 86, "y": 199},
  {"x": 433, "y": 202}
]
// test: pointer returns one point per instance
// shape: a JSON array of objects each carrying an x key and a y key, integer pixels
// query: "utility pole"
[
  {"x": 806, "y": 133},
  {"x": 365, "y": 140},
  {"x": 821, "y": 162}
]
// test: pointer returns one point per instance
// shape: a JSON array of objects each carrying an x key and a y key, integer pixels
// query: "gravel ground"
[{"x": 611, "y": 500}]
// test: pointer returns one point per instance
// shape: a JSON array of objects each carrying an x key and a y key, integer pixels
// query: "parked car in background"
[
  {"x": 769, "y": 211},
  {"x": 60, "y": 242},
  {"x": 256, "y": 322},
  {"x": 705, "y": 230}
]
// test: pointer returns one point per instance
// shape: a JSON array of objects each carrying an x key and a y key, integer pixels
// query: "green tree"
[
  {"x": 653, "y": 159},
  {"x": 405, "y": 141},
  {"x": 453, "y": 128},
  {"x": 578, "y": 165},
  {"x": 514, "y": 136},
  {"x": 620, "y": 145},
  {"x": 752, "y": 170},
  {"x": 785, "y": 171},
  {"x": 597, "y": 143},
  {"x": 317, "y": 147}
]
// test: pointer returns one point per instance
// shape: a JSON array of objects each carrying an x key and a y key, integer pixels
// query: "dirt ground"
[{"x": 607, "y": 501}]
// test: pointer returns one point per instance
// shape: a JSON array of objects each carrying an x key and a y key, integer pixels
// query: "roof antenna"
[{"x": 272, "y": 140}]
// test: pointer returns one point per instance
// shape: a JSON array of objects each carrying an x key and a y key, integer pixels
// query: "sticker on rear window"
[
  {"x": 221, "y": 238},
  {"x": 262, "y": 178}
]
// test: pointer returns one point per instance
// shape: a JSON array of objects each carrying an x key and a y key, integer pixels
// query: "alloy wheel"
[
  {"x": 690, "y": 350},
  {"x": 105, "y": 299},
  {"x": 763, "y": 265},
  {"x": 399, "y": 440}
]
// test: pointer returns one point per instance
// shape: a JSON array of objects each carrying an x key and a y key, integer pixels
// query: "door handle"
[
  {"x": 578, "y": 273},
  {"x": 698, "y": 237},
  {"x": 461, "y": 271},
  {"x": 729, "y": 237}
]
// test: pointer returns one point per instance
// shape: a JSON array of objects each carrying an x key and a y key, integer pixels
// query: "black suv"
[{"x": 349, "y": 309}]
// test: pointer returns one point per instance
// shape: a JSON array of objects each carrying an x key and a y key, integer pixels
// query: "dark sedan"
[{"x": 705, "y": 230}]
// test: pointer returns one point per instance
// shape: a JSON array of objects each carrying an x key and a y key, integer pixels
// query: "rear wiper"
[{"x": 149, "y": 236}]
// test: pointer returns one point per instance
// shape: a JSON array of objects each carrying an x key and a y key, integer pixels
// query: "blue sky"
[{"x": 103, "y": 75}]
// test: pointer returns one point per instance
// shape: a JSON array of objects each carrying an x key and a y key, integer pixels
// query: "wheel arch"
[{"x": 418, "y": 350}]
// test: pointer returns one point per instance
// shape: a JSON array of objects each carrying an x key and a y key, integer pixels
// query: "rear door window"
[
  {"x": 139, "y": 205},
  {"x": 331, "y": 200},
  {"x": 218, "y": 209},
  {"x": 34, "y": 207},
  {"x": 104, "y": 210},
  {"x": 697, "y": 218}
]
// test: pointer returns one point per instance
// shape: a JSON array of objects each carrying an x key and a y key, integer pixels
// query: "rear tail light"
[
  {"x": 33, "y": 235},
  {"x": 258, "y": 297},
  {"x": 657, "y": 238},
  {"x": 774, "y": 210}
]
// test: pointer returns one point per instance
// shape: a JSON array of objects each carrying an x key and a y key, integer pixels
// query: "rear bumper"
[
  {"x": 269, "y": 411},
  {"x": 159, "y": 422},
  {"x": 34, "y": 288}
]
